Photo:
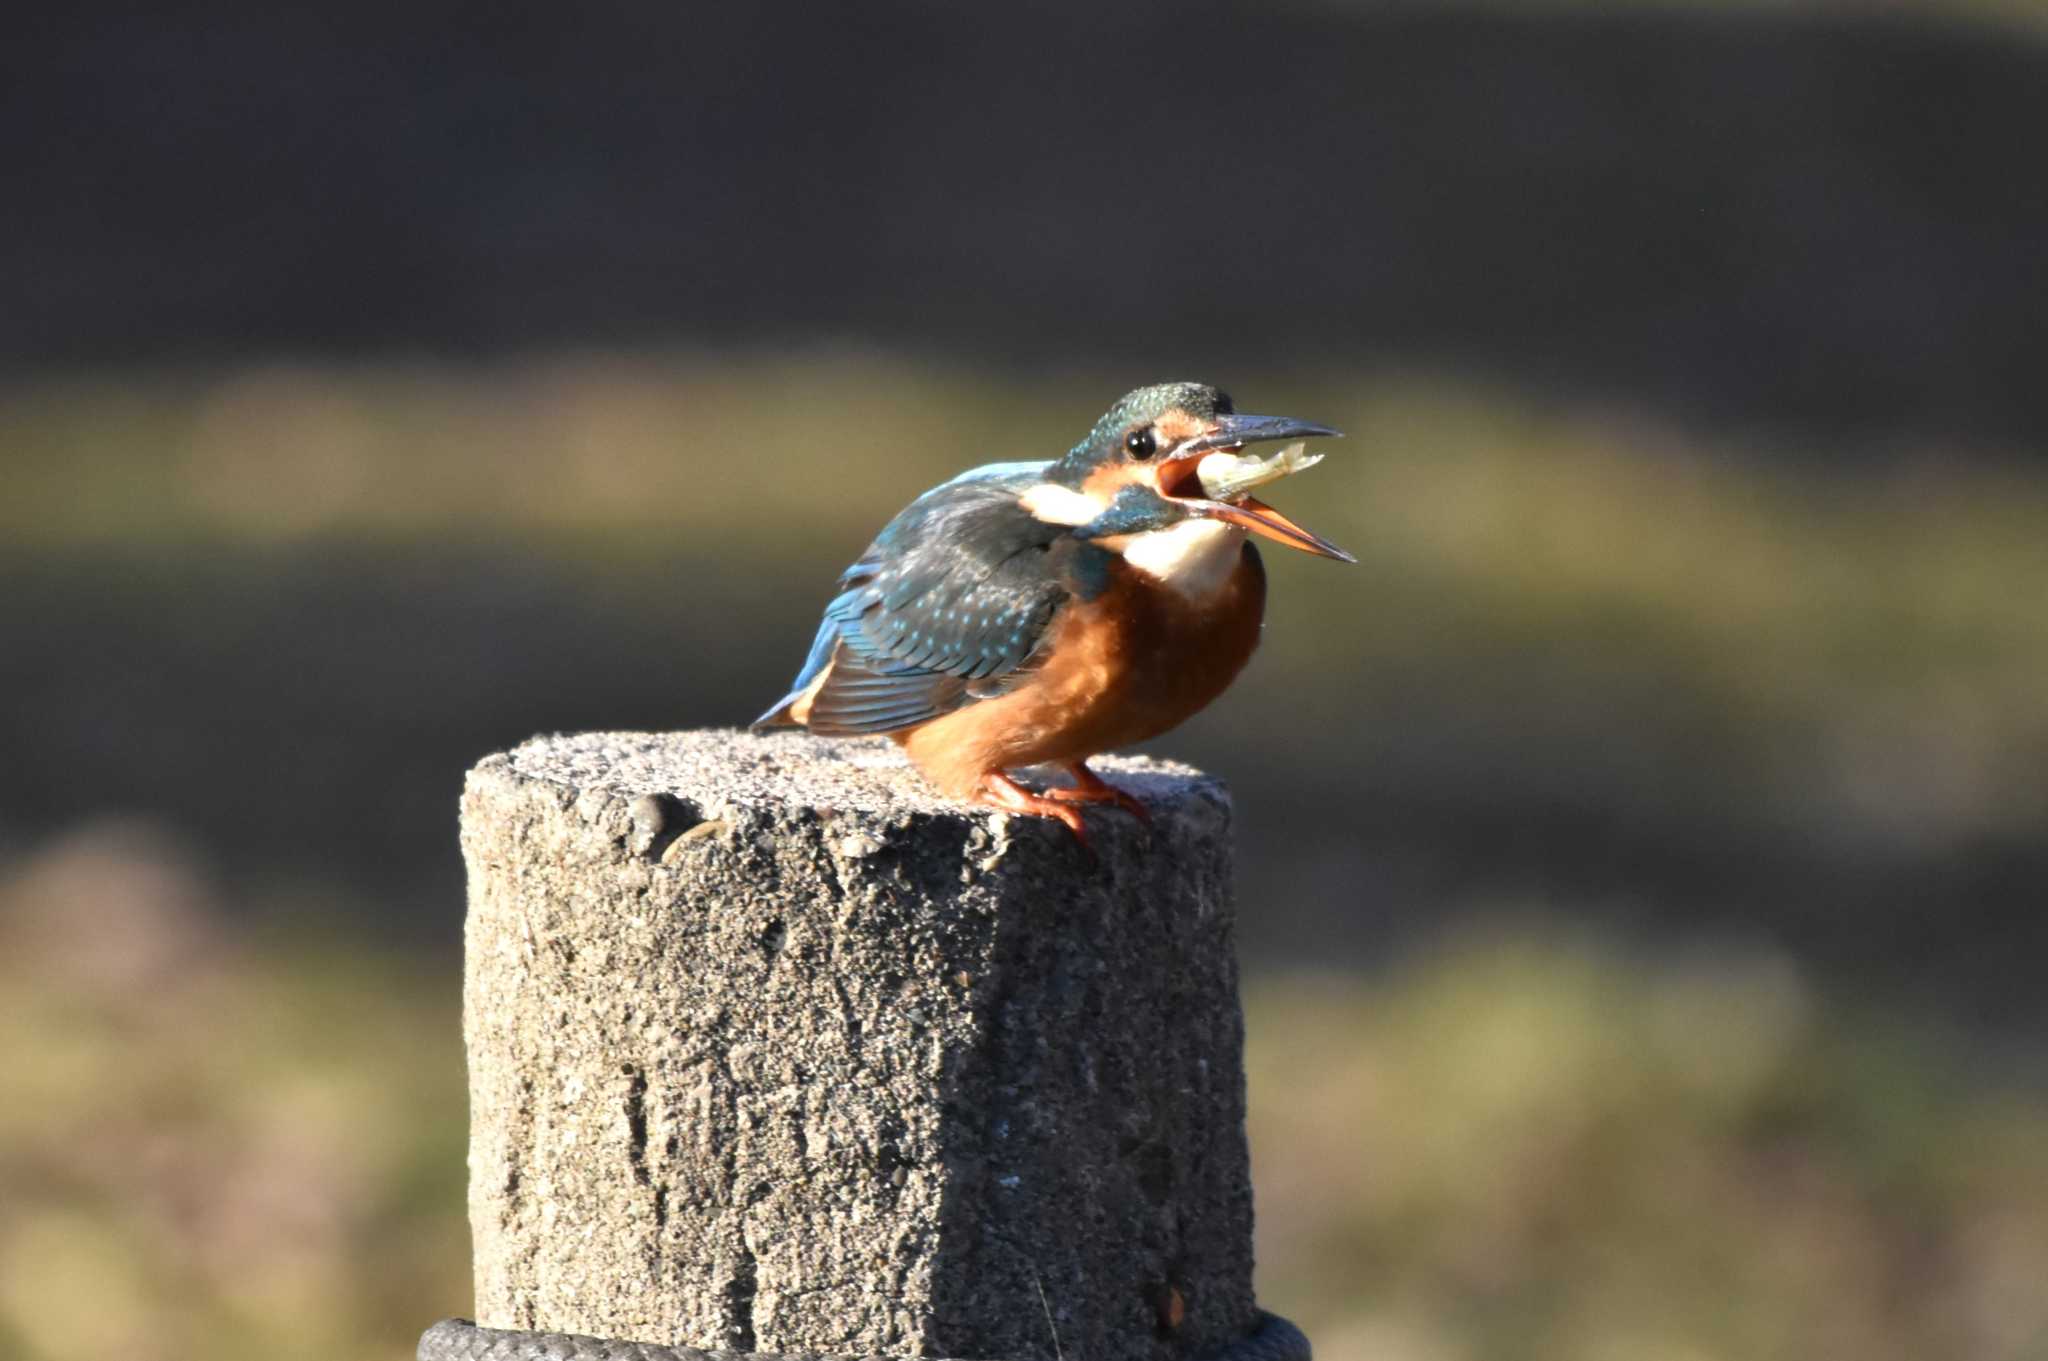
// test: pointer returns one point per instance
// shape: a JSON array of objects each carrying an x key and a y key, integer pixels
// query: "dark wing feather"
[
  {"x": 954, "y": 594},
  {"x": 855, "y": 700}
]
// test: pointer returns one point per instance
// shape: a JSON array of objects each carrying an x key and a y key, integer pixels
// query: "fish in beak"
[{"x": 1212, "y": 477}]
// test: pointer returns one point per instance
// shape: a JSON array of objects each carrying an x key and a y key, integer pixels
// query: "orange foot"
[
  {"x": 1005, "y": 793},
  {"x": 1089, "y": 787}
]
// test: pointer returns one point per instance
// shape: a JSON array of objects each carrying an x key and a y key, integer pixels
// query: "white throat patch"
[
  {"x": 1194, "y": 557},
  {"x": 1053, "y": 504}
]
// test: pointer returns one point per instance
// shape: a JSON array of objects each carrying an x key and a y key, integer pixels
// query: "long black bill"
[{"x": 1232, "y": 431}]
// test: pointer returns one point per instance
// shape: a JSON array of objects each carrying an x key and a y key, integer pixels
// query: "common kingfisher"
[{"x": 1029, "y": 614}]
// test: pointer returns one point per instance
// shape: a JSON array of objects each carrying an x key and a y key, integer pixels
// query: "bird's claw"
[
  {"x": 1000, "y": 791},
  {"x": 1088, "y": 787}
]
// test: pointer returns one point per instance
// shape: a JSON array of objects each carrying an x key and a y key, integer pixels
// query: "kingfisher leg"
[
  {"x": 1005, "y": 793},
  {"x": 1089, "y": 787}
]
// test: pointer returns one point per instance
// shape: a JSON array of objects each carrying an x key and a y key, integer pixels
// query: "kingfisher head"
[{"x": 1163, "y": 479}]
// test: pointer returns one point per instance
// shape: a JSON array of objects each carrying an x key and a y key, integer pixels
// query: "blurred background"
[{"x": 1643, "y": 849}]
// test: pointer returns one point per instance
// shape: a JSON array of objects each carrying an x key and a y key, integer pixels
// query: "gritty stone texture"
[{"x": 772, "y": 1048}]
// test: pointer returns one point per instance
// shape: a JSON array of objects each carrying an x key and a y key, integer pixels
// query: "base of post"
[{"x": 458, "y": 1339}]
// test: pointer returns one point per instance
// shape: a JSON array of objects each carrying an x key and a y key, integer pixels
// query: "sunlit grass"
[{"x": 640, "y": 450}]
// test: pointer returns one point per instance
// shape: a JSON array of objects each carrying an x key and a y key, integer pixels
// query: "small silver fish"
[{"x": 1226, "y": 475}]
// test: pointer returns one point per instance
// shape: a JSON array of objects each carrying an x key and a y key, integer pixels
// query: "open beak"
[
  {"x": 1178, "y": 476},
  {"x": 1250, "y": 513}
]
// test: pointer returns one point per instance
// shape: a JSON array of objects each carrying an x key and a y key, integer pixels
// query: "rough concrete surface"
[{"x": 773, "y": 1049}]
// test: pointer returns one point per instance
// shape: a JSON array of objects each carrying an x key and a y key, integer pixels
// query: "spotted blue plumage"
[{"x": 954, "y": 595}]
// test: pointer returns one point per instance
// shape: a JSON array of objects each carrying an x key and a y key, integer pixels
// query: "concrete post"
[{"x": 773, "y": 1050}]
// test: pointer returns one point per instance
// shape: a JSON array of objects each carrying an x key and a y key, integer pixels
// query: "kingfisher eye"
[{"x": 1140, "y": 444}]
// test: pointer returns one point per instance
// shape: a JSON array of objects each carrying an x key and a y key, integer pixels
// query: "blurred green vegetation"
[
  {"x": 214, "y": 1145},
  {"x": 1850, "y": 649},
  {"x": 1519, "y": 1144},
  {"x": 1534, "y": 1146}
]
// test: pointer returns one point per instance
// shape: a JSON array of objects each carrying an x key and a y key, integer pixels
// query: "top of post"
[{"x": 724, "y": 773}]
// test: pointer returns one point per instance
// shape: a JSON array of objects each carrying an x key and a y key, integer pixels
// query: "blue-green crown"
[{"x": 1142, "y": 407}]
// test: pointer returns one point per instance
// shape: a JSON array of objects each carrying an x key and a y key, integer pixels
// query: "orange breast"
[{"x": 1134, "y": 662}]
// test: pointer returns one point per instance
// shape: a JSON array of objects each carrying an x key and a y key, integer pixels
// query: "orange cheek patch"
[{"x": 1106, "y": 481}]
